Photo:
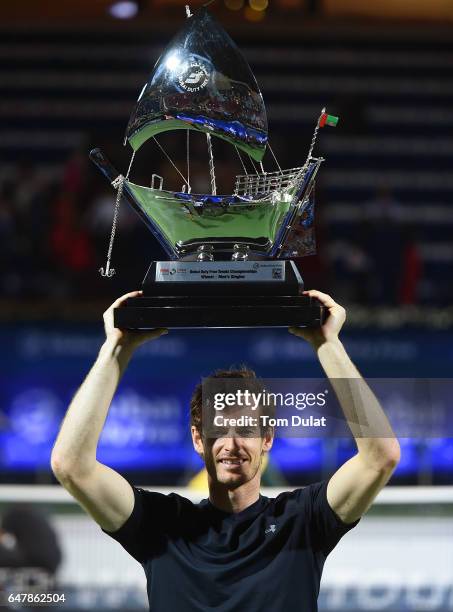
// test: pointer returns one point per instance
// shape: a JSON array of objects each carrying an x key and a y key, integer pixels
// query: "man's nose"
[{"x": 233, "y": 441}]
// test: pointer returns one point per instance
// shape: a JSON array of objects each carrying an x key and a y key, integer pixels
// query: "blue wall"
[{"x": 147, "y": 428}]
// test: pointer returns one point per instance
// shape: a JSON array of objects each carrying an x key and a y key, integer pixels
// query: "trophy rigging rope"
[
  {"x": 273, "y": 155},
  {"x": 171, "y": 162},
  {"x": 242, "y": 161},
  {"x": 253, "y": 164},
  {"x": 118, "y": 184}
]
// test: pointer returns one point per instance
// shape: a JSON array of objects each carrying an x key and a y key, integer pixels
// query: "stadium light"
[{"x": 126, "y": 9}]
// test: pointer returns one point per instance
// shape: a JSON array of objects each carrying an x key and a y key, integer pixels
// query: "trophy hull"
[
  {"x": 220, "y": 221},
  {"x": 271, "y": 214},
  {"x": 220, "y": 294}
]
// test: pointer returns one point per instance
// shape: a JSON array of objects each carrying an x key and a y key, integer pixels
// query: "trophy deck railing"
[{"x": 262, "y": 183}]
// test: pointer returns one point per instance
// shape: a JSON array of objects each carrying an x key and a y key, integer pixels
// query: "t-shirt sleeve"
[
  {"x": 145, "y": 530},
  {"x": 326, "y": 527}
]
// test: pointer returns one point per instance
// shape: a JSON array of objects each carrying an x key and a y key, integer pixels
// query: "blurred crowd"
[
  {"x": 55, "y": 229},
  {"x": 381, "y": 263}
]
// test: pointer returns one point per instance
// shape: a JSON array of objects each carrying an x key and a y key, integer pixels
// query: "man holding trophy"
[
  {"x": 230, "y": 267},
  {"x": 238, "y": 550}
]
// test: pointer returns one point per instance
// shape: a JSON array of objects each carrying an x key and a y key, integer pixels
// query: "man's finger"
[
  {"x": 325, "y": 299},
  {"x": 156, "y": 333},
  {"x": 297, "y": 331},
  {"x": 152, "y": 334},
  {"x": 124, "y": 297}
]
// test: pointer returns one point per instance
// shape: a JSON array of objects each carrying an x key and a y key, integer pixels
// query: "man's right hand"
[{"x": 128, "y": 338}]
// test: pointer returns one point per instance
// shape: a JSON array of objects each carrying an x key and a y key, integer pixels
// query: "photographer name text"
[{"x": 267, "y": 421}]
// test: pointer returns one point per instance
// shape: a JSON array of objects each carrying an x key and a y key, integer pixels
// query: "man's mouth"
[{"x": 232, "y": 461}]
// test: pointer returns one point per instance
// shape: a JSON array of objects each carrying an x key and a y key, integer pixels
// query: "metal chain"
[
  {"x": 118, "y": 184},
  {"x": 304, "y": 168},
  {"x": 211, "y": 165},
  {"x": 313, "y": 140}
]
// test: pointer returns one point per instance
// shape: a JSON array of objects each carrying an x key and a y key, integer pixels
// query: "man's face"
[{"x": 232, "y": 459}]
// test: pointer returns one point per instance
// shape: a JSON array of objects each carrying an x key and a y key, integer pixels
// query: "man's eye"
[
  {"x": 219, "y": 433},
  {"x": 246, "y": 432}
]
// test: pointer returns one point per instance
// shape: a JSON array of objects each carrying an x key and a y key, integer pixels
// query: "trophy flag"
[{"x": 326, "y": 119}]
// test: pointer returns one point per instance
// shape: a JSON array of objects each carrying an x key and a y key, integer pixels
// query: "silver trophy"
[{"x": 229, "y": 255}]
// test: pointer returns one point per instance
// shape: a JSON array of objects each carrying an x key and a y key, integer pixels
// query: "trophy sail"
[{"x": 202, "y": 82}]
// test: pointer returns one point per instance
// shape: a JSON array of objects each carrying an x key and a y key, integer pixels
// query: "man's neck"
[{"x": 234, "y": 500}]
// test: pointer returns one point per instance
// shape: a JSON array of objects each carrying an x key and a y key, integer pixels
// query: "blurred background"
[{"x": 69, "y": 76}]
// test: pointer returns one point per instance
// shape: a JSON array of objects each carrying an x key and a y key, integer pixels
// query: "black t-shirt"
[{"x": 268, "y": 557}]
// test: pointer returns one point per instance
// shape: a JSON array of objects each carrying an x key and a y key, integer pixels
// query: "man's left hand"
[{"x": 328, "y": 332}]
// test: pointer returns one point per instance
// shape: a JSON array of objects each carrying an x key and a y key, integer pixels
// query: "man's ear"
[
  {"x": 268, "y": 439},
  {"x": 197, "y": 440}
]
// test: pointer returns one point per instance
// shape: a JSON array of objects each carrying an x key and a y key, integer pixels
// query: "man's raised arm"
[
  {"x": 101, "y": 491},
  {"x": 354, "y": 486}
]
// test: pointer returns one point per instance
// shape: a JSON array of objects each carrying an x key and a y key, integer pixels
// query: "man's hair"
[{"x": 250, "y": 382}]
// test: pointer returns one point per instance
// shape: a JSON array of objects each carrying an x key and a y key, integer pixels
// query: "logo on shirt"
[{"x": 271, "y": 529}]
